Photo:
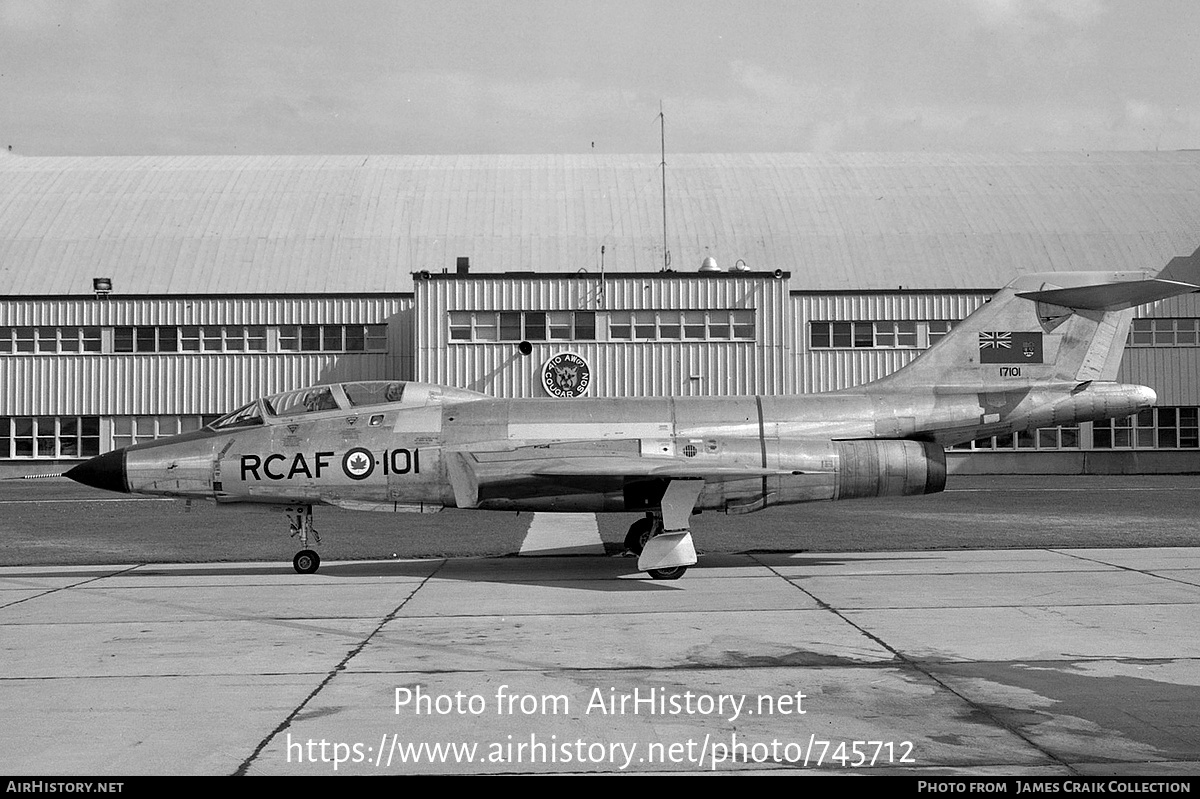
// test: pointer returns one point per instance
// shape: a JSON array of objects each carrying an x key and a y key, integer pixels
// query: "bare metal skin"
[{"x": 1043, "y": 352}]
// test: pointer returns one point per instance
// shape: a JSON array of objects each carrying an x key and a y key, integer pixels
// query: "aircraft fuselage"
[{"x": 469, "y": 451}]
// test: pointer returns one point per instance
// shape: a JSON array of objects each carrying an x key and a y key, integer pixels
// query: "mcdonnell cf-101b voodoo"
[{"x": 1043, "y": 352}]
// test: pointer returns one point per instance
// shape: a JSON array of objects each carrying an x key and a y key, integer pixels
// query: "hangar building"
[{"x": 141, "y": 297}]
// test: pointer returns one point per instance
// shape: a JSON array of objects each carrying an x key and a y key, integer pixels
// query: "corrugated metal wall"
[
  {"x": 831, "y": 369},
  {"x": 204, "y": 310},
  {"x": 619, "y": 368},
  {"x": 120, "y": 385},
  {"x": 195, "y": 382},
  {"x": 1174, "y": 372}
]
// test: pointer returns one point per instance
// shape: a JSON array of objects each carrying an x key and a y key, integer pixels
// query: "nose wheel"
[
  {"x": 301, "y": 525},
  {"x": 306, "y": 561}
]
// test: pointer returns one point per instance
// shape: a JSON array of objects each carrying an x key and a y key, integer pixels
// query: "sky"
[{"x": 201, "y": 77}]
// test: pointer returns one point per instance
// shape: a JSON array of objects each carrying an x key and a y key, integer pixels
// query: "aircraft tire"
[
  {"x": 306, "y": 561},
  {"x": 673, "y": 573},
  {"x": 639, "y": 533}
]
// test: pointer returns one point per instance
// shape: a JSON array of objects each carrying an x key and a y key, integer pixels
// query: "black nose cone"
[{"x": 105, "y": 471}]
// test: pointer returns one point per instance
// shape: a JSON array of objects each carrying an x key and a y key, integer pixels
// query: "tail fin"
[{"x": 1060, "y": 327}]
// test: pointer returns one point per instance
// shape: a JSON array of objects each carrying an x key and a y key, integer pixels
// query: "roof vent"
[{"x": 709, "y": 264}]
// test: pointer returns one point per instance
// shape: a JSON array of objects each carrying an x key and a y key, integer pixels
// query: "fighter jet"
[{"x": 1044, "y": 351}]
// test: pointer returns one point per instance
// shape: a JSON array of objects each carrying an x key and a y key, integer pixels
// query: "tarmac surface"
[{"x": 1030, "y": 662}]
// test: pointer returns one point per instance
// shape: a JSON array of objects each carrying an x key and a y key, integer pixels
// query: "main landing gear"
[
  {"x": 639, "y": 536},
  {"x": 642, "y": 531},
  {"x": 301, "y": 524},
  {"x": 662, "y": 540}
]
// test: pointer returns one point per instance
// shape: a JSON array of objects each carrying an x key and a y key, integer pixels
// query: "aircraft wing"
[{"x": 477, "y": 474}]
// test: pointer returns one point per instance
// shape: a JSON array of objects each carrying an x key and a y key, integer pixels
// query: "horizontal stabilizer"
[
  {"x": 1112, "y": 296},
  {"x": 1183, "y": 269},
  {"x": 1044, "y": 328}
]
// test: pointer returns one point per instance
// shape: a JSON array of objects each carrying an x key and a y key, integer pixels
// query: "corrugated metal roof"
[{"x": 311, "y": 225}]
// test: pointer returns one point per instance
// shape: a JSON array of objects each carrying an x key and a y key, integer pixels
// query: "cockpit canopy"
[{"x": 288, "y": 405}]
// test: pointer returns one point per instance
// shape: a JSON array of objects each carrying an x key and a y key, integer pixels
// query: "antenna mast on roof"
[{"x": 663, "y": 149}]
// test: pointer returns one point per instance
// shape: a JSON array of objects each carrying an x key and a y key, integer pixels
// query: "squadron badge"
[{"x": 566, "y": 375}]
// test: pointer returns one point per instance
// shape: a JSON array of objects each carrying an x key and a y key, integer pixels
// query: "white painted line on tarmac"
[
  {"x": 563, "y": 534},
  {"x": 1053, "y": 490}
]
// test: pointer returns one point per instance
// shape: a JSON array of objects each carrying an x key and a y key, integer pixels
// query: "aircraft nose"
[{"x": 105, "y": 471}]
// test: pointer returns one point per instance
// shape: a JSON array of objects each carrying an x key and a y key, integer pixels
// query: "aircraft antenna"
[
  {"x": 662, "y": 119},
  {"x": 600, "y": 293}
]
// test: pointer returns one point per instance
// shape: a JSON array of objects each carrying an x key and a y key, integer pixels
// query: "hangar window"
[
  {"x": 190, "y": 338},
  {"x": 877, "y": 335},
  {"x": 743, "y": 324},
  {"x": 901, "y": 335},
  {"x": 460, "y": 325},
  {"x": 693, "y": 324},
  {"x": 675, "y": 325},
  {"x": 669, "y": 325},
  {"x": 1043, "y": 438},
  {"x": 246, "y": 339},
  {"x": 645, "y": 325},
  {"x": 485, "y": 327},
  {"x": 559, "y": 324},
  {"x": 620, "y": 325},
  {"x": 585, "y": 326},
  {"x": 718, "y": 325},
  {"x": 842, "y": 335},
  {"x": 1179, "y": 332},
  {"x": 510, "y": 326},
  {"x": 45, "y": 340},
  {"x": 937, "y": 328},
  {"x": 49, "y": 436},
  {"x": 309, "y": 337},
  {"x": 535, "y": 326},
  {"x": 24, "y": 339},
  {"x": 130, "y": 430},
  {"x": 322, "y": 338},
  {"x": 332, "y": 338},
  {"x": 1153, "y": 428},
  {"x": 522, "y": 325}
]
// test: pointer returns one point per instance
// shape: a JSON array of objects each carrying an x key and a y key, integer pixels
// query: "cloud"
[
  {"x": 38, "y": 16},
  {"x": 1034, "y": 15}
]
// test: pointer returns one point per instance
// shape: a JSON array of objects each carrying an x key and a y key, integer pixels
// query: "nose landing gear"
[{"x": 301, "y": 524}]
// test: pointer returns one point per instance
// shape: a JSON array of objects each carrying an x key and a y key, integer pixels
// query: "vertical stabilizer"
[{"x": 1058, "y": 327}]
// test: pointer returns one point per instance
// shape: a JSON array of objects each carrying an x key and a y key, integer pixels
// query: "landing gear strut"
[
  {"x": 301, "y": 524},
  {"x": 662, "y": 540},
  {"x": 642, "y": 531}
]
